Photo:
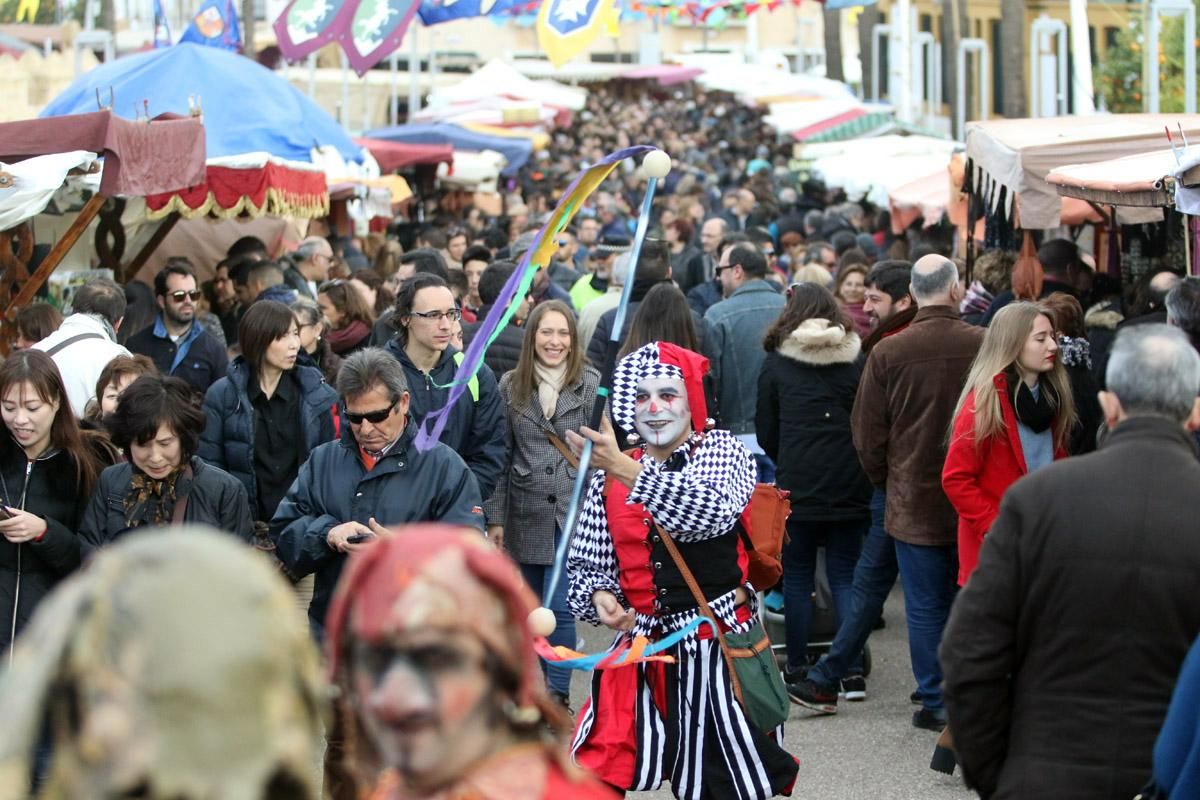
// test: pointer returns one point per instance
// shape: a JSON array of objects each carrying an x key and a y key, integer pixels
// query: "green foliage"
[{"x": 1119, "y": 77}]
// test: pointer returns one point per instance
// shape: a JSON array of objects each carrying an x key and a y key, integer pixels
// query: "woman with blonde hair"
[{"x": 1015, "y": 415}]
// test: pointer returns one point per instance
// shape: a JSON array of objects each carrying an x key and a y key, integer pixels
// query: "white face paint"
[{"x": 662, "y": 414}]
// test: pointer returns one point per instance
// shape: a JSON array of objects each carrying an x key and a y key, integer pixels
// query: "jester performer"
[
  {"x": 429, "y": 645},
  {"x": 680, "y": 721}
]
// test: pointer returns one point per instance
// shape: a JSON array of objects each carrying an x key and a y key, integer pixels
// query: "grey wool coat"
[{"x": 531, "y": 498}]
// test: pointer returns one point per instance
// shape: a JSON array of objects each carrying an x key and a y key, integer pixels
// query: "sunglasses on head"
[
  {"x": 373, "y": 417},
  {"x": 179, "y": 296}
]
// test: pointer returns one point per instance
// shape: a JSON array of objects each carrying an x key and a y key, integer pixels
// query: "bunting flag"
[
  {"x": 216, "y": 25},
  {"x": 435, "y": 12},
  {"x": 545, "y": 244},
  {"x": 27, "y": 10},
  {"x": 161, "y": 23},
  {"x": 368, "y": 31},
  {"x": 565, "y": 28}
]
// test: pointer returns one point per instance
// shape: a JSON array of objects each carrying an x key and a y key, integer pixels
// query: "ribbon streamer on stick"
[{"x": 538, "y": 256}]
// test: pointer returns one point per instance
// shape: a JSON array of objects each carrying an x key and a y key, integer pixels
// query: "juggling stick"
[{"x": 656, "y": 165}]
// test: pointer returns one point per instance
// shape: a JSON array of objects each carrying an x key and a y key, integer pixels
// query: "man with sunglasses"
[
  {"x": 176, "y": 343},
  {"x": 372, "y": 476}
]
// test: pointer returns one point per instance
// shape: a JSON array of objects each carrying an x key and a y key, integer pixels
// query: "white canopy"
[
  {"x": 28, "y": 186},
  {"x": 871, "y": 168},
  {"x": 499, "y": 79}
]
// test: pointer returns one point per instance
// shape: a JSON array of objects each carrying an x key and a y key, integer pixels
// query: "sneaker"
[
  {"x": 854, "y": 688},
  {"x": 929, "y": 719},
  {"x": 810, "y": 694}
]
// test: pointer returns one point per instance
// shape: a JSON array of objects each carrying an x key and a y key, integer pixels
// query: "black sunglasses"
[
  {"x": 178, "y": 296},
  {"x": 373, "y": 417}
]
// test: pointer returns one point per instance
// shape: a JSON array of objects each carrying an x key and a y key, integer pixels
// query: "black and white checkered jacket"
[{"x": 697, "y": 493}]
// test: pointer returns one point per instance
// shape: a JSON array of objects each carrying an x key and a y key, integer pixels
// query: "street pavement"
[{"x": 869, "y": 750}]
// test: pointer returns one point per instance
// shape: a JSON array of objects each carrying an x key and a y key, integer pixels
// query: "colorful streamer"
[
  {"x": 544, "y": 246},
  {"x": 637, "y": 650}
]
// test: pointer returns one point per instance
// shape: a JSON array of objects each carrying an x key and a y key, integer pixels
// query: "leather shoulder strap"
[
  {"x": 181, "y": 503},
  {"x": 561, "y": 447},
  {"x": 702, "y": 604}
]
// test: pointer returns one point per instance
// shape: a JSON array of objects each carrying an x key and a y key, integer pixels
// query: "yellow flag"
[
  {"x": 27, "y": 10},
  {"x": 566, "y": 27}
]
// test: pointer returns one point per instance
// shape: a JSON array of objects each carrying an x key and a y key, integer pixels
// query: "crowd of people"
[{"x": 915, "y": 412}]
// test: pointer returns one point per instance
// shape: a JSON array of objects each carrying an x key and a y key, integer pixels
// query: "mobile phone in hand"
[
  {"x": 4, "y": 512},
  {"x": 359, "y": 538}
]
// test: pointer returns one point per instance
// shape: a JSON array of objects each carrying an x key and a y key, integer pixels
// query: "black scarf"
[
  {"x": 152, "y": 502},
  {"x": 1037, "y": 414}
]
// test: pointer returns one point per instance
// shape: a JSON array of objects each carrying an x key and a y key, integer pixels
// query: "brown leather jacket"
[{"x": 902, "y": 417}]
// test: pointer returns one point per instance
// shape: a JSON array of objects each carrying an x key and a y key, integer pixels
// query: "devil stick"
[{"x": 656, "y": 165}]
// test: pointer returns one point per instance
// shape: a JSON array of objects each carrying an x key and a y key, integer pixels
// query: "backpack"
[{"x": 763, "y": 526}]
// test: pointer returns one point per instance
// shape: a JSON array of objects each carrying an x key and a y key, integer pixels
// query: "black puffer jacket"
[
  {"x": 334, "y": 486},
  {"x": 228, "y": 438},
  {"x": 35, "y": 568},
  {"x": 475, "y": 428},
  {"x": 805, "y": 394},
  {"x": 216, "y": 498}
]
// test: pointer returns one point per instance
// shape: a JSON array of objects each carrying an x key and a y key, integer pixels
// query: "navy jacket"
[
  {"x": 228, "y": 438},
  {"x": 475, "y": 429},
  {"x": 204, "y": 365},
  {"x": 216, "y": 498},
  {"x": 334, "y": 486}
]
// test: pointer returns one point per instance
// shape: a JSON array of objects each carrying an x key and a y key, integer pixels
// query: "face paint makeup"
[{"x": 662, "y": 413}]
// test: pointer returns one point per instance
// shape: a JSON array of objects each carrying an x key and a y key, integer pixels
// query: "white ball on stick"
[
  {"x": 657, "y": 164},
  {"x": 542, "y": 622}
]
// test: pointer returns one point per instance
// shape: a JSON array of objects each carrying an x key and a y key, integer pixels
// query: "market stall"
[
  {"x": 79, "y": 163},
  {"x": 515, "y": 150}
]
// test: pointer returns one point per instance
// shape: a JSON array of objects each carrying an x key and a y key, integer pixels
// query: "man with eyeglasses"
[
  {"x": 176, "y": 343},
  {"x": 424, "y": 319},
  {"x": 371, "y": 477},
  {"x": 313, "y": 258}
]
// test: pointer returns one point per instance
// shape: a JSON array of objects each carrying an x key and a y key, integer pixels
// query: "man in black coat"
[
  {"x": 1064, "y": 646},
  {"x": 175, "y": 342}
]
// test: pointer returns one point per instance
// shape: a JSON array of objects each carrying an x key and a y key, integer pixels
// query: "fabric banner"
[
  {"x": 566, "y": 27},
  {"x": 366, "y": 30},
  {"x": 27, "y": 187},
  {"x": 216, "y": 25},
  {"x": 434, "y": 12},
  {"x": 271, "y": 190}
]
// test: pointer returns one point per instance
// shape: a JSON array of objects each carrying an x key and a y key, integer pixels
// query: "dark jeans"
[
  {"x": 537, "y": 576},
  {"x": 843, "y": 541},
  {"x": 874, "y": 577},
  {"x": 930, "y": 576},
  {"x": 766, "y": 468}
]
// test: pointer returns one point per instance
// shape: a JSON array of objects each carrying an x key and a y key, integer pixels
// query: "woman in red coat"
[{"x": 1014, "y": 416}]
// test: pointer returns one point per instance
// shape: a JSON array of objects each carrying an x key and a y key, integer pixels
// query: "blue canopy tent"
[
  {"x": 516, "y": 151},
  {"x": 247, "y": 107}
]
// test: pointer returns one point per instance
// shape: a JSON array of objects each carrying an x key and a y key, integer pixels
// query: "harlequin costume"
[
  {"x": 677, "y": 721},
  {"x": 438, "y": 577}
]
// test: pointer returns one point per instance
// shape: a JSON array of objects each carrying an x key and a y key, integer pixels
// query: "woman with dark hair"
[
  {"x": 158, "y": 424},
  {"x": 349, "y": 317},
  {"x": 314, "y": 349},
  {"x": 47, "y": 473},
  {"x": 678, "y": 236},
  {"x": 35, "y": 322},
  {"x": 140, "y": 310},
  {"x": 369, "y": 283},
  {"x": 267, "y": 413},
  {"x": 805, "y": 394},
  {"x": 662, "y": 316},
  {"x": 114, "y": 379},
  {"x": 549, "y": 393}
]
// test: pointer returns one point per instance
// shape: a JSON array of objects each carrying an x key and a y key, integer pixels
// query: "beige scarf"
[{"x": 549, "y": 384}]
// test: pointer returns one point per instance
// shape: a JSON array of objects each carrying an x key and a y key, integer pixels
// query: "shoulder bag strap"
[
  {"x": 702, "y": 604},
  {"x": 182, "y": 502},
  {"x": 65, "y": 343},
  {"x": 561, "y": 447}
]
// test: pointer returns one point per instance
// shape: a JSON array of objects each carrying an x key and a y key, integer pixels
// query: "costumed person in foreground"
[
  {"x": 173, "y": 668},
  {"x": 682, "y": 721},
  {"x": 429, "y": 645}
]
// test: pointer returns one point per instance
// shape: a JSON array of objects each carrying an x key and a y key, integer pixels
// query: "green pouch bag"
[{"x": 764, "y": 697}]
